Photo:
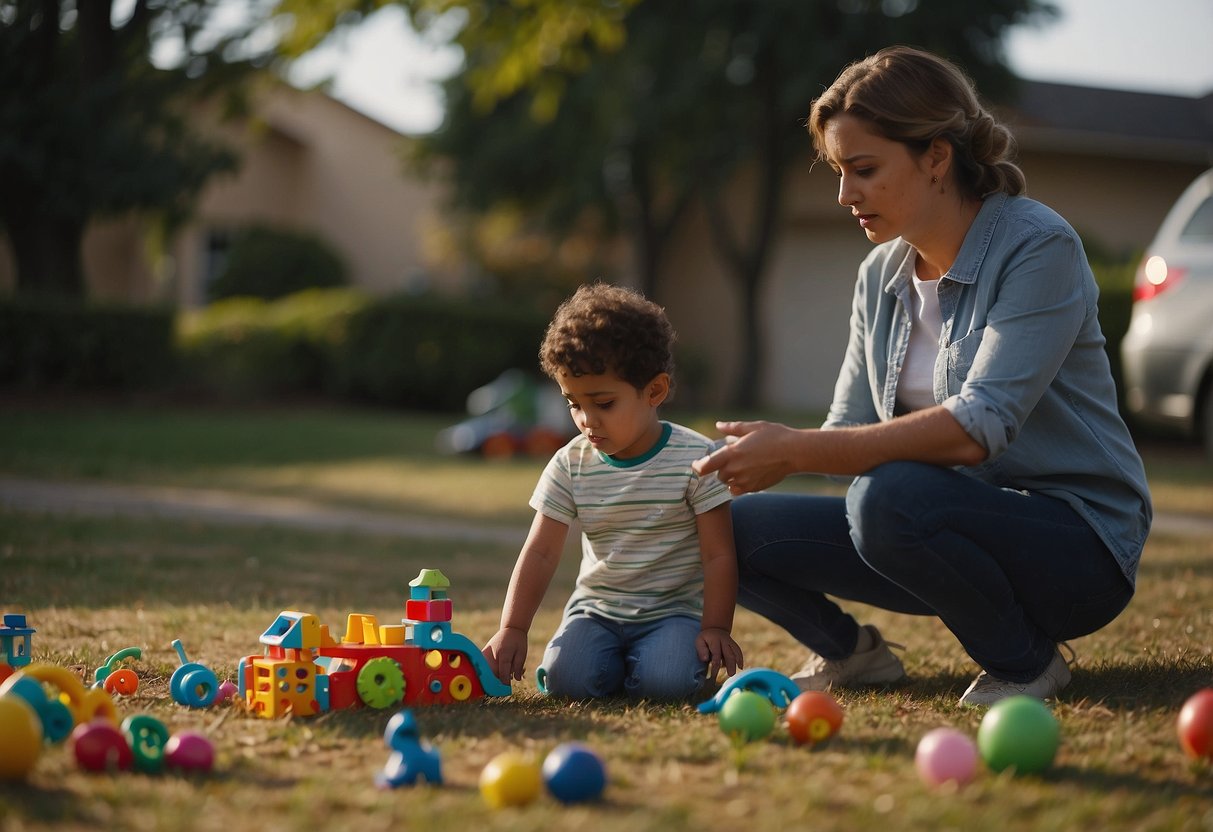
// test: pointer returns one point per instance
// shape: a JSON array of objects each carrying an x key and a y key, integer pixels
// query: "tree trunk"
[{"x": 48, "y": 255}]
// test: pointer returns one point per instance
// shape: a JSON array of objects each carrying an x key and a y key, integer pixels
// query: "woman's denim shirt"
[{"x": 1021, "y": 366}]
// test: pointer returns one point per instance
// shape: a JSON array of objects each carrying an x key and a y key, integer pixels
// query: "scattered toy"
[
  {"x": 1019, "y": 733},
  {"x": 101, "y": 746},
  {"x": 813, "y": 717},
  {"x": 20, "y": 738},
  {"x": 411, "y": 757},
  {"x": 573, "y": 773},
  {"x": 777, "y": 688},
  {"x": 510, "y": 779},
  {"x": 115, "y": 679},
  {"x": 747, "y": 716},
  {"x": 304, "y": 671},
  {"x": 192, "y": 684},
  {"x": 945, "y": 755},
  {"x": 189, "y": 751},
  {"x": 1195, "y": 725}
]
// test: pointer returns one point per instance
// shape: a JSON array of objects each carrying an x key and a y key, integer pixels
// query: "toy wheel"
[
  {"x": 194, "y": 685},
  {"x": 124, "y": 682},
  {"x": 57, "y": 721},
  {"x": 380, "y": 683},
  {"x": 460, "y": 688},
  {"x": 147, "y": 736}
]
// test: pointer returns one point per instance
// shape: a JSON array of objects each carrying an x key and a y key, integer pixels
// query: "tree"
[
  {"x": 669, "y": 108},
  {"x": 90, "y": 126}
]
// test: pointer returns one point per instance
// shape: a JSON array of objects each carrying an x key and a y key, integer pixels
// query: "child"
[{"x": 653, "y": 607}]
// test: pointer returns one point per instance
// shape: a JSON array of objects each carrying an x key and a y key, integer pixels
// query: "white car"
[{"x": 1168, "y": 350}]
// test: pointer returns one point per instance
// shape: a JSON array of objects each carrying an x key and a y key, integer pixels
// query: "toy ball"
[
  {"x": 1021, "y": 733},
  {"x": 574, "y": 773},
  {"x": 1195, "y": 724},
  {"x": 813, "y": 716},
  {"x": 946, "y": 755},
  {"x": 189, "y": 751},
  {"x": 226, "y": 692},
  {"x": 747, "y": 716},
  {"x": 20, "y": 738},
  {"x": 101, "y": 746},
  {"x": 510, "y": 779}
]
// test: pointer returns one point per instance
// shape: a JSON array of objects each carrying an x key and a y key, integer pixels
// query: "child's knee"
[
  {"x": 576, "y": 680},
  {"x": 671, "y": 682}
]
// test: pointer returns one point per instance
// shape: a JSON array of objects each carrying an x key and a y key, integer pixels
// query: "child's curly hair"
[{"x": 605, "y": 328}]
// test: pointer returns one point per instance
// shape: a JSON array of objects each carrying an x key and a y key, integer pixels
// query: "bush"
[
  {"x": 272, "y": 263},
  {"x": 249, "y": 347},
  {"x": 429, "y": 353},
  {"x": 67, "y": 345}
]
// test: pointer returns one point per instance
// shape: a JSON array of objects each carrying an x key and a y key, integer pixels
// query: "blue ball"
[{"x": 574, "y": 773}]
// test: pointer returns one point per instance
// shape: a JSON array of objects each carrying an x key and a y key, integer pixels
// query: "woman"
[{"x": 995, "y": 484}]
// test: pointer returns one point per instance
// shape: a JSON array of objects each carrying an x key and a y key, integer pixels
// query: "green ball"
[
  {"x": 747, "y": 716},
  {"x": 1021, "y": 733}
]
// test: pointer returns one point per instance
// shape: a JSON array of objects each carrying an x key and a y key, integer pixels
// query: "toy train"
[{"x": 304, "y": 671}]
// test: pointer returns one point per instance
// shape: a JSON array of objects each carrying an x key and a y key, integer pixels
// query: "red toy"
[
  {"x": 305, "y": 671},
  {"x": 1195, "y": 725},
  {"x": 101, "y": 746},
  {"x": 813, "y": 717}
]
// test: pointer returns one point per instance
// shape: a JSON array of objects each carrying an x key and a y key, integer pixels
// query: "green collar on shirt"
[{"x": 666, "y": 430}]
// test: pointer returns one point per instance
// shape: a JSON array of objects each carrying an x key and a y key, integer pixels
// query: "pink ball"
[
  {"x": 946, "y": 755},
  {"x": 189, "y": 751}
]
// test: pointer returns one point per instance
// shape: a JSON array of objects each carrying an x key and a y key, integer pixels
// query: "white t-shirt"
[
  {"x": 640, "y": 543},
  {"x": 916, "y": 384}
]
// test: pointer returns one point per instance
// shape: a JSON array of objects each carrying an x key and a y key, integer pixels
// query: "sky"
[{"x": 386, "y": 70}]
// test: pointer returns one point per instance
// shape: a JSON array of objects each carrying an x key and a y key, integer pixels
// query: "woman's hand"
[{"x": 755, "y": 456}]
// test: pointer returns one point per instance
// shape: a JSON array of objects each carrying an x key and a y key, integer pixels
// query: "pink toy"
[
  {"x": 189, "y": 751},
  {"x": 946, "y": 755},
  {"x": 227, "y": 690}
]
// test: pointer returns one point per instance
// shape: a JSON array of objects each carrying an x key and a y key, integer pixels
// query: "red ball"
[
  {"x": 101, "y": 746},
  {"x": 189, "y": 751},
  {"x": 813, "y": 717},
  {"x": 1195, "y": 724}
]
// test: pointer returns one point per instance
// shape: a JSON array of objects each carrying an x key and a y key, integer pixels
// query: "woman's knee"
[{"x": 886, "y": 508}]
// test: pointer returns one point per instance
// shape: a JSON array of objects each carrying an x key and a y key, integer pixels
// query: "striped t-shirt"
[{"x": 640, "y": 556}]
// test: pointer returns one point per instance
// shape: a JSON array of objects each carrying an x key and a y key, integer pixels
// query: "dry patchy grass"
[{"x": 92, "y": 587}]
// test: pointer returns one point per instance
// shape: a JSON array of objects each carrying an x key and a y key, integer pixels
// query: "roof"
[
  {"x": 432, "y": 578},
  {"x": 1064, "y": 117}
]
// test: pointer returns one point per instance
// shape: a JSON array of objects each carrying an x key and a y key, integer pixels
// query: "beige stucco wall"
[{"x": 313, "y": 164}]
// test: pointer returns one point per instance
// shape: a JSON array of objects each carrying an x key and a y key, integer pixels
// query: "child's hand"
[
  {"x": 506, "y": 653},
  {"x": 717, "y": 648}
]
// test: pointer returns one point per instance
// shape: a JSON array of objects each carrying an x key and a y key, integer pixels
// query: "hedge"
[{"x": 49, "y": 344}]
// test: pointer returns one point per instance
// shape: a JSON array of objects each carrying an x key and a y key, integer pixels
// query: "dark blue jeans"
[{"x": 1009, "y": 573}]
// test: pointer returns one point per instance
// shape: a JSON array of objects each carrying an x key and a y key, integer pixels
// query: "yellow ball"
[
  {"x": 20, "y": 738},
  {"x": 510, "y": 779}
]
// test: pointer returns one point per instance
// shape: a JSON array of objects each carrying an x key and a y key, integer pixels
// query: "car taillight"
[{"x": 1154, "y": 277}]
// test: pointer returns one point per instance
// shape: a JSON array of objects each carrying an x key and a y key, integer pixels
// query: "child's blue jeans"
[
  {"x": 591, "y": 657},
  {"x": 1010, "y": 573}
]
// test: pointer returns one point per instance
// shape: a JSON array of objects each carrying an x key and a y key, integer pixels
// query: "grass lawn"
[{"x": 92, "y": 586}]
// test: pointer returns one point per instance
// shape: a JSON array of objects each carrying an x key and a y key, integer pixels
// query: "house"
[
  {"x": 1110, "y": 161},
  {"x": 308, "y": 163}
]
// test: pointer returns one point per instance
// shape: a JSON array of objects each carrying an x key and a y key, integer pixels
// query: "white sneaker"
[
  {"x": 875, "y": 666},
  {"x": 987, "y": 689}
]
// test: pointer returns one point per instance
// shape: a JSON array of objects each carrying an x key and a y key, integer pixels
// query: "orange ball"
[{"x": 813, "y": 717}]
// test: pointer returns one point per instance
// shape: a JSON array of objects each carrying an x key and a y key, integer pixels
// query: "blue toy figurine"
[
  {"x": 777, "y": 688},
  {"x": 411, "y": 757}
]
